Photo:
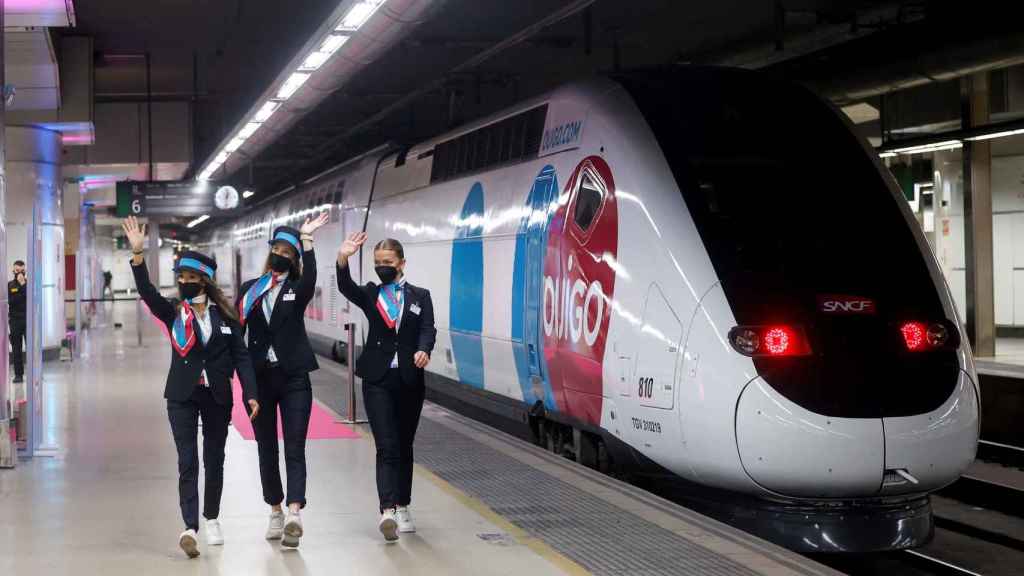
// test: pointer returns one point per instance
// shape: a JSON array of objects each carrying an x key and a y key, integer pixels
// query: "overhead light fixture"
[
  {"x": 235, "y": 144},
  {"x": 1002, "y": 134},
  {"x": 321, "y": 55},
  {"x": 291, "y": 85},
  {"x": 248, "y": 130},
  {"x": 861, "y": 112},
  {"x": 358, "y": 15},
  {"x": 221, "y": 158},
  {"x": 266, "y": 111},
  {"x": 199, "y": 221},
  {"x": 923, "y": 148},
  {"x": 248, "y": 194}
]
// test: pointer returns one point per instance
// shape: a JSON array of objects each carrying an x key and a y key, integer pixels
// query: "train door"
[
  {"x": 658, "y": 344},
  {"x": 545, "y": 191}
]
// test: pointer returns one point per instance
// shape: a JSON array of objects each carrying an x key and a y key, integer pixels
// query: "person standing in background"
[
  {"x": 107, "y": 279},
  {"x": 16, "y": 297}
]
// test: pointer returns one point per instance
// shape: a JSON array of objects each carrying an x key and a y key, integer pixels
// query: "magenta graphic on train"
[{"x": 578, "y": 287}]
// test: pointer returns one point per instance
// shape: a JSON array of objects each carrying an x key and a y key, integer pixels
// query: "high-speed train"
[{"x": 701, "y": 271}]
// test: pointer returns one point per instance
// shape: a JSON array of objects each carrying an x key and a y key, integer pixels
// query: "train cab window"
[{"x": 588, "y": 201}]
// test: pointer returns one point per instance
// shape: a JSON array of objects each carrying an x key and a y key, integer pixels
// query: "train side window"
[{"x": 588, "y": 202}]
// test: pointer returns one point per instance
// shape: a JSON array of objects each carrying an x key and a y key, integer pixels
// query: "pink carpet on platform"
[{"x": 321, "y": 424}]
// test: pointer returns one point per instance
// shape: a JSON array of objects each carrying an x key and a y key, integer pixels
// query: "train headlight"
[
  {"x": 746, "y": 341},
  {"x": 924, "y": 336},
  {"x": 937, "y": 335},
  {"x": 769, "y": 341}
]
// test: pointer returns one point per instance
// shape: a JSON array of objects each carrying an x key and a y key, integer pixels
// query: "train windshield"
[{"x": 790, "y": 207}]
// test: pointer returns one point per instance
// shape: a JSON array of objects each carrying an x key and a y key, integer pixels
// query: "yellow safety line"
[{"x": 538, "y": 546}]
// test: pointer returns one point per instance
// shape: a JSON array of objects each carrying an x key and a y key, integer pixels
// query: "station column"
[
  {"x": 7, "y": 451},
  {"x": 977, "y": 170}
]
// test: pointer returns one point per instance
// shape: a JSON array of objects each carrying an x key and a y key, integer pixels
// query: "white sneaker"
[
  {"x": 214, "y": 535},
  {"x": 388, "y": 526},
  {"x": 292, "y": 530},
  {"x": 276, "y": 528},
  {"x": 404, "y": 519},
  {"x": 189, "y": 543}
]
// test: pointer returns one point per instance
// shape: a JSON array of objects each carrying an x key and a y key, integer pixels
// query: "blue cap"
[
  {"x": 289, "y": 235},
  {"x": 198, "y": 262}
]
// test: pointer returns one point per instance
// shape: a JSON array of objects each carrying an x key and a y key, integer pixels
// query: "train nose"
[
  {"x": 791, "y": 451},
  {"x": 794, "y": 452}
]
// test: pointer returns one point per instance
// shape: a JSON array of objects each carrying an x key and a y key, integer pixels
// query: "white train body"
[{"x": 622, "y": 325}]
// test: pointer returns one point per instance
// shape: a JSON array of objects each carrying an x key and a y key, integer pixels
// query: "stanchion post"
[{"x": 351, "y": 417}]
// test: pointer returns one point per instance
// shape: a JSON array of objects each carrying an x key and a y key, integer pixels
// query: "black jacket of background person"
[
  {"x": 286, "y": 330},
  {"x": 221, "y": 356},
  {"x": 16, "y": 301},
  {"x": 415, "y": 333}
]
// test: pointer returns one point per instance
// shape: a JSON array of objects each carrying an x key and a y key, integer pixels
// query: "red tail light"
[
  {"x": 921, "y": 337},
  {"x": 769, "y": 341}
]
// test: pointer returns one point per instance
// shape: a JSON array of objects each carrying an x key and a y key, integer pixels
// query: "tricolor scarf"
[
  {"x": 183, "y": 332},
  {"x": 389, "y": 303},
  {"x": 255, "y": 293}
]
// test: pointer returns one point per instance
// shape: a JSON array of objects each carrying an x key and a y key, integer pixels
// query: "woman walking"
[
  {"x": 398, "y": 347},
  {"x": 206, "y": 350},
  {"x": 272, "y": 308}
]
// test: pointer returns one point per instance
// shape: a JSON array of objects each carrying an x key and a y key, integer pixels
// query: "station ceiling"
[{"x": 223, "y": 54}]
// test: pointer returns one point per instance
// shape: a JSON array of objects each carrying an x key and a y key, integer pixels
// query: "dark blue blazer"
[
  {"x": 416, "y": 333},
  {"x": 223, "y": 355}
]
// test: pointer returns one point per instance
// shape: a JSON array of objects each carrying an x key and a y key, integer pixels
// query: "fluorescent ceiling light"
[
  {"x": 291, "y": 85},
  {"x": 923, "y": 148},
  {"x": 235, "y": 144},
  {"x": 264, "y": 113},
  {"x": 248, "y": 194},
  {"x": 221, "y": 158},
  {"x": 314, "y": 61},
  {"x": 248, "y": 130},
  {"x": 199, "y": 221},
  {"x": 332, "y": 43},
  {"x": 861, "y": 113},
  {"x": 320, "y": 56},
  {"x": 358, "y": 15},
  {"x": 1002, "y": 134}
]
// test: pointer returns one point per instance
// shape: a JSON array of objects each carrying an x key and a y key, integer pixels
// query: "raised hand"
[
  {"x": 311, "y": 224},
  {"x": 351, "y": 245},
  {"x": 136, "y": 233}
]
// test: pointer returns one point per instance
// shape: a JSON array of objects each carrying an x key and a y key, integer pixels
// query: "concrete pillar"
[
  {"x": 977, "y": 161},
  {"x": 7, "y": 452},
  {"x": 33, "y": 174}
]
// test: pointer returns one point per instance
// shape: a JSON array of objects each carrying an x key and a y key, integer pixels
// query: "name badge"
[
  {"x": 225, "y": 329},
  {"x": 415, "y": 309},
  {"x": 289, "y": 297}
]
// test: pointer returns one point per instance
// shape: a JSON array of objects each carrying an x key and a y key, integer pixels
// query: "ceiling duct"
[{"x": 946, "y": 44}]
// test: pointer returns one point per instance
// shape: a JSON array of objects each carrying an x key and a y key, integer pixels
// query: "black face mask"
[
  {"x": 189, "y": 290},
  {"x": 280, "y": 264},
  {"x": 387, "y": 274}
]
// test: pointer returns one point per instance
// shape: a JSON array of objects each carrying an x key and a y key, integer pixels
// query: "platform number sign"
[{"x": 175, "y": 198}]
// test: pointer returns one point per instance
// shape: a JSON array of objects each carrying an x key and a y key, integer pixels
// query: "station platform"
[{"x": 484, "y": 502}]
